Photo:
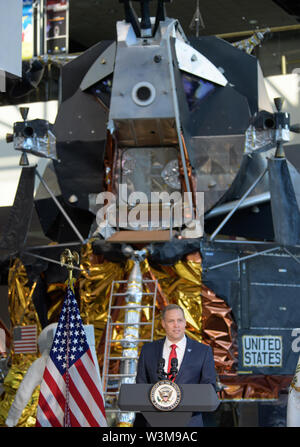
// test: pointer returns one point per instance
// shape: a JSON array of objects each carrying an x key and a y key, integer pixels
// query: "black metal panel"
[
  {"x": 239, "y": 68},
  {"x": 80, "y": 171},
  {"x": 224, "y": 112},
  {"x": 274, "y": 305},
  {"x": 74, "y": 71},
  {"x": 285, "y": 209},
  {"x": 274, "y": 291},
  {"x": 16, "y": 229},
  {"x": 292, "y": 154},
  {"x": 224, "y": 281},
  {"x": 264, "y": 294},
  {"x": 55, "y": 225},
  {"x": 253, "y": 223}
]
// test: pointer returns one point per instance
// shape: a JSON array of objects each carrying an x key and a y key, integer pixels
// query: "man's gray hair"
[{"x": 171, "y": 307}]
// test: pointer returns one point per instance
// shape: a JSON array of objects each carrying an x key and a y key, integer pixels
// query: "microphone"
[
  {"x": 160, "y": 369},
  {"x": 174, "y": 367}
]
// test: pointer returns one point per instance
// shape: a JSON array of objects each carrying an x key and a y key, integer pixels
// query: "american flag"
[
  {"x": 71, "y": 391},
  {"x": 25, "y": 339}
]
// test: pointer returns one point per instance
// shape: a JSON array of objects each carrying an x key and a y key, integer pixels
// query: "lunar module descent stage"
[{"x": 156, "y": 111}]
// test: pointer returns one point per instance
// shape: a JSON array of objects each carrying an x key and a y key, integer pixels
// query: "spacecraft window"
[
  {"x": 102, "y": 89},
  {"x": 196, "y": 89},
  {"x": 143, "y": 93}
]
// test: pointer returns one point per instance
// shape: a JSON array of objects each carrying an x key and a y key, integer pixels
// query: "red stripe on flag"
[
  {"x": 27, "y": 335},
  {"x": 48, "y": 412},
  {"x": 90, "y": 384},
  {"x": 54, "y": 389},
  {"x": 82, "y": 404},
  {"x": 74, "y": 422}
]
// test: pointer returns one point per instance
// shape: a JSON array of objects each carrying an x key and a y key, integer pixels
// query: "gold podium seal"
[{"x": 165, "y": 395}]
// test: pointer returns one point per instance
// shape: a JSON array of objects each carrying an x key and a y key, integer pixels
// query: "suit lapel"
[{"x": 186, "y": 357}]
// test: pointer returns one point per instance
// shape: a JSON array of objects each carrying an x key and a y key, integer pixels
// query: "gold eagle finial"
[{"x": 67, "y": 259}]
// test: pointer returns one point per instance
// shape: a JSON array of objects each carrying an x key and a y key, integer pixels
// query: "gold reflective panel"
[{"x": 22, "y": 312}]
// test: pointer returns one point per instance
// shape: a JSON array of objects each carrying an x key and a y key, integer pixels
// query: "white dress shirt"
[{"x": 181, "y": 345}]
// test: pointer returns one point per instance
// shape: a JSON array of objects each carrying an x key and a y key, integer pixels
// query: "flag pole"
[{"x": 67, "y": 259}]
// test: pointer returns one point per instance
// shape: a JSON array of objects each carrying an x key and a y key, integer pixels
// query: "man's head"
[{"x": 173, "y": 322}]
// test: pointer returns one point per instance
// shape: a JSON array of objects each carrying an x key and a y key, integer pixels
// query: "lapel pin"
[{"x": 189, "y": 350}]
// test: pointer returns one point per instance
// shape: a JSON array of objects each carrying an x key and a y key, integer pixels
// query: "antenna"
[
  {"x": 197, "y": 20},
  {"x": 24, "y": 159},
  {"x": 143, "y": 28}
]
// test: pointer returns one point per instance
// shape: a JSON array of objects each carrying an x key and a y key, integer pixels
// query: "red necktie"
[{"x": 172, "y": 355}]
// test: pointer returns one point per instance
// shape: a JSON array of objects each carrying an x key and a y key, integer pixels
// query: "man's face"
[{"x": 174, "y": 324}]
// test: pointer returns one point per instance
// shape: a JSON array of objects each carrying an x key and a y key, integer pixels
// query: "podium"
[{"x": 195, "y": 397}]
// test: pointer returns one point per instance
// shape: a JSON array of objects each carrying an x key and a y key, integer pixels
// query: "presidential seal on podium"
[{"x": 165, "y": 395}]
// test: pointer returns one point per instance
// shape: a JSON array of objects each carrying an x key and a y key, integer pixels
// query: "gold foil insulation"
[
  {"x": 22, "y": 312},
  {"x": 11, "y": 384}
]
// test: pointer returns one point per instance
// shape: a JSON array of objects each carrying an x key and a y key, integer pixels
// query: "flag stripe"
[
  {"x": 25, "y": 351},
  {"x": 73, "y": 420},
  {"x": 26, "y": 335},
  {"x": 51, "y": 400},
  {"x": 54, "y": 390},
  {"x": 42, "y": 421},
  {"x": 75, "y": 391},
  {"x": 92, "y": 378},
  {"x": 59, "y": 380},
  {"x": 47, "y": 411},
  {"x": 80, "y": 377},
  {"x": 78, "y": 415},
  {"x": 25, "y": 345}
]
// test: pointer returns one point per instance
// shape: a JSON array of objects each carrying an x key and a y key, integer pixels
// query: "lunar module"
[{"x": 167, "y": 153}]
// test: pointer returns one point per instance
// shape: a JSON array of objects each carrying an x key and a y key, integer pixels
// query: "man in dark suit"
[{"x": 195, "y": 360}]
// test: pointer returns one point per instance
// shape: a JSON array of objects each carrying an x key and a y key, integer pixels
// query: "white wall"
[
  {"x": 11, "y": 36},
  {"x": 9, "y": 158}
]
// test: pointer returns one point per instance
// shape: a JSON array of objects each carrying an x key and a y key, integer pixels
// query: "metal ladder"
[{"x": 112, "y": 380}]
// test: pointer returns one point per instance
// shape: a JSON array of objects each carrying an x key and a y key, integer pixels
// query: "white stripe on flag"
[
  {"x": 52, "y": 402},
  {"x": 49, "y": 395},
  {"x": 56, "y": 375},
  {"x": 90, "y": 366},
  {"x": 84, "y": 391},
  {"x": 43, "y": 421},
  {"x": 77, "y": 412}
]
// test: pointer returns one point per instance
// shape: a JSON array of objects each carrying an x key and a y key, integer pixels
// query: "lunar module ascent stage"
[{"x": 169, "y": 164}]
